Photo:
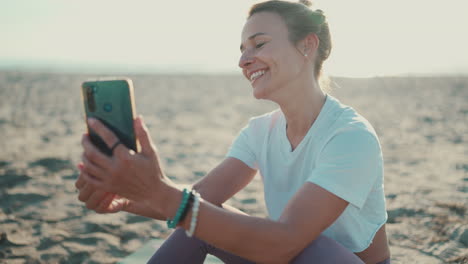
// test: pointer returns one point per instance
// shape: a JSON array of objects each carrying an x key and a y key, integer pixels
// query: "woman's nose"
[{"x": 245, "y": 60}]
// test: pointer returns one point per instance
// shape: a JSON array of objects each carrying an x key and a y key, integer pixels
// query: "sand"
[{"x": 422, "y": 124}]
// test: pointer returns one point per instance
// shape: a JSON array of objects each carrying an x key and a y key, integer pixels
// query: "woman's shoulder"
[
  {"x": 265, "y": 121},
  {"x": 266, "y": 116},
  {"x": 350, "y": 121}
]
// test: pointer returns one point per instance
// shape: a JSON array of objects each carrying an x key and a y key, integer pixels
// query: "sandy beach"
[{"x": 422, "y": 123}]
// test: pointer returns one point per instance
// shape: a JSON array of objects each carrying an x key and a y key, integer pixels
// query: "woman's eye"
[{"x": 260, "y": 45}]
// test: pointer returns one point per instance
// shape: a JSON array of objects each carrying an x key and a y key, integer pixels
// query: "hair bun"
[{"x": 307, "y": 3}]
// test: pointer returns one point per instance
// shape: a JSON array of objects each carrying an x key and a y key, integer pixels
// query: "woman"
[{"x": 320, "y": 162}]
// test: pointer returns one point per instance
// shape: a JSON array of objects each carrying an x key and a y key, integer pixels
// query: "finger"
[
  {"x": 94, "y": 155},
  {"x": 106, "y": 204},
  {"x": 121, "y": 151},
  {"x": 142, "y": 133},
  {"x": 85, "y": 192},
  {"x": 80, "y": 182},
  {"x": 92, "y": 169},
  {"x": 104, "y": 132},
  {"x": 95, "y": 198},
  {"x": 94, "y": 182},
  {"x": 109, "y": 137},
  {"x": 116, "y": 206}
]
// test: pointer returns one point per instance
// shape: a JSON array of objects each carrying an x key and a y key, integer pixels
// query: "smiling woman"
[
  {"x": 320, "y": 161},
  {"x": 295, "y": 25}
]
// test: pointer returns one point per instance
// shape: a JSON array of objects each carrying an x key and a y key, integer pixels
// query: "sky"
[{"x": 370, "y": 37}]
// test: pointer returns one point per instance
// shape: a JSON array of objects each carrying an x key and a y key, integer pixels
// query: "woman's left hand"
[{"x": 135, "y": 176}]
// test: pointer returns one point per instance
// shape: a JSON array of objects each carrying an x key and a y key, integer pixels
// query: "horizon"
[
  {"x": 125, "y": 72},
  {"x": 414, "y": 38}
]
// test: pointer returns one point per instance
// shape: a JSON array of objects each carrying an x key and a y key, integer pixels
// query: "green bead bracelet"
[{"x": 172, "y": 223}]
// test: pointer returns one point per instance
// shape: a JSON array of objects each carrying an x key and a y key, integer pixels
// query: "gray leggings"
[{"x": 179, "y": 248}]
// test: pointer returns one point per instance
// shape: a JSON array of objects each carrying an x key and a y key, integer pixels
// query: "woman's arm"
[
  {"x": 224, "y": 181},
  {"x": 307, "y": 214}
]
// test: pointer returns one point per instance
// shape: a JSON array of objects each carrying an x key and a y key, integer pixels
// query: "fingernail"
[{"x": 91, "y": 121}]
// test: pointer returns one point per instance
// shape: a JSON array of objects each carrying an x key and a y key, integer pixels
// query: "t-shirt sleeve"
[
  {"x": 243, "y": 149},
  {"x": 349, "y": 165}
]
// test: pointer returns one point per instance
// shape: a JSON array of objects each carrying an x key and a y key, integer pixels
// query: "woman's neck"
[{"x": 302, "y": 111}]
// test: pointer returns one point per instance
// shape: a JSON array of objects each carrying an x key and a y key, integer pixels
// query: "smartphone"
[{"x": 112, "y": 102}]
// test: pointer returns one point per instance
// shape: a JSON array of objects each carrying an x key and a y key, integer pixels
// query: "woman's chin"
[{"x": 259, "y": 93}]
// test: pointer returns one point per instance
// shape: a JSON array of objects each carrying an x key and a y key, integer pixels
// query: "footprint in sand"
[
  {"x": 10, "y": 177},
  {"x": 395, "y": 214},
  {"x": 16, "y": 201},
  {"x": 52, "y": 164}
]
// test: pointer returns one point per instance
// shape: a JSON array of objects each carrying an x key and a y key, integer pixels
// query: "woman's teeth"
[{"x": 255, "y": 75}]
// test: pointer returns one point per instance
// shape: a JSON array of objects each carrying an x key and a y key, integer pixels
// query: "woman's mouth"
[{"x": 257, "y": 75}]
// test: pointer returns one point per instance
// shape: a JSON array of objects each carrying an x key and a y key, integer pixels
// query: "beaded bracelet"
[
  {"x": 172, "y": 223},
  {"x": 193, "y": 222},
  {"x": 189, "y": 205}
]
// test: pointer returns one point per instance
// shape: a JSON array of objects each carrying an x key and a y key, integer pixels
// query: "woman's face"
[{"x": 269, "y": 60}]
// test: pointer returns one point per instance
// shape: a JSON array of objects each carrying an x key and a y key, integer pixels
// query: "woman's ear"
[{"x": 310, "y": 45}]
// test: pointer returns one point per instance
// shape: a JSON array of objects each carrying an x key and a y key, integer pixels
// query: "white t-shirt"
[{"x": 340, "y": 153}]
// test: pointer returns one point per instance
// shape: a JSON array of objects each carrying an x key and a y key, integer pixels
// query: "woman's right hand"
[
  {"x": 98, "y": 200},
  {"x": 103, "y": 202}
]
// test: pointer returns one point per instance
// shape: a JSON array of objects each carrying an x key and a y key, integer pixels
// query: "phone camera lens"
[
  {"x": 90, "y": 98},
  {"x": 107, "y": 107}
]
